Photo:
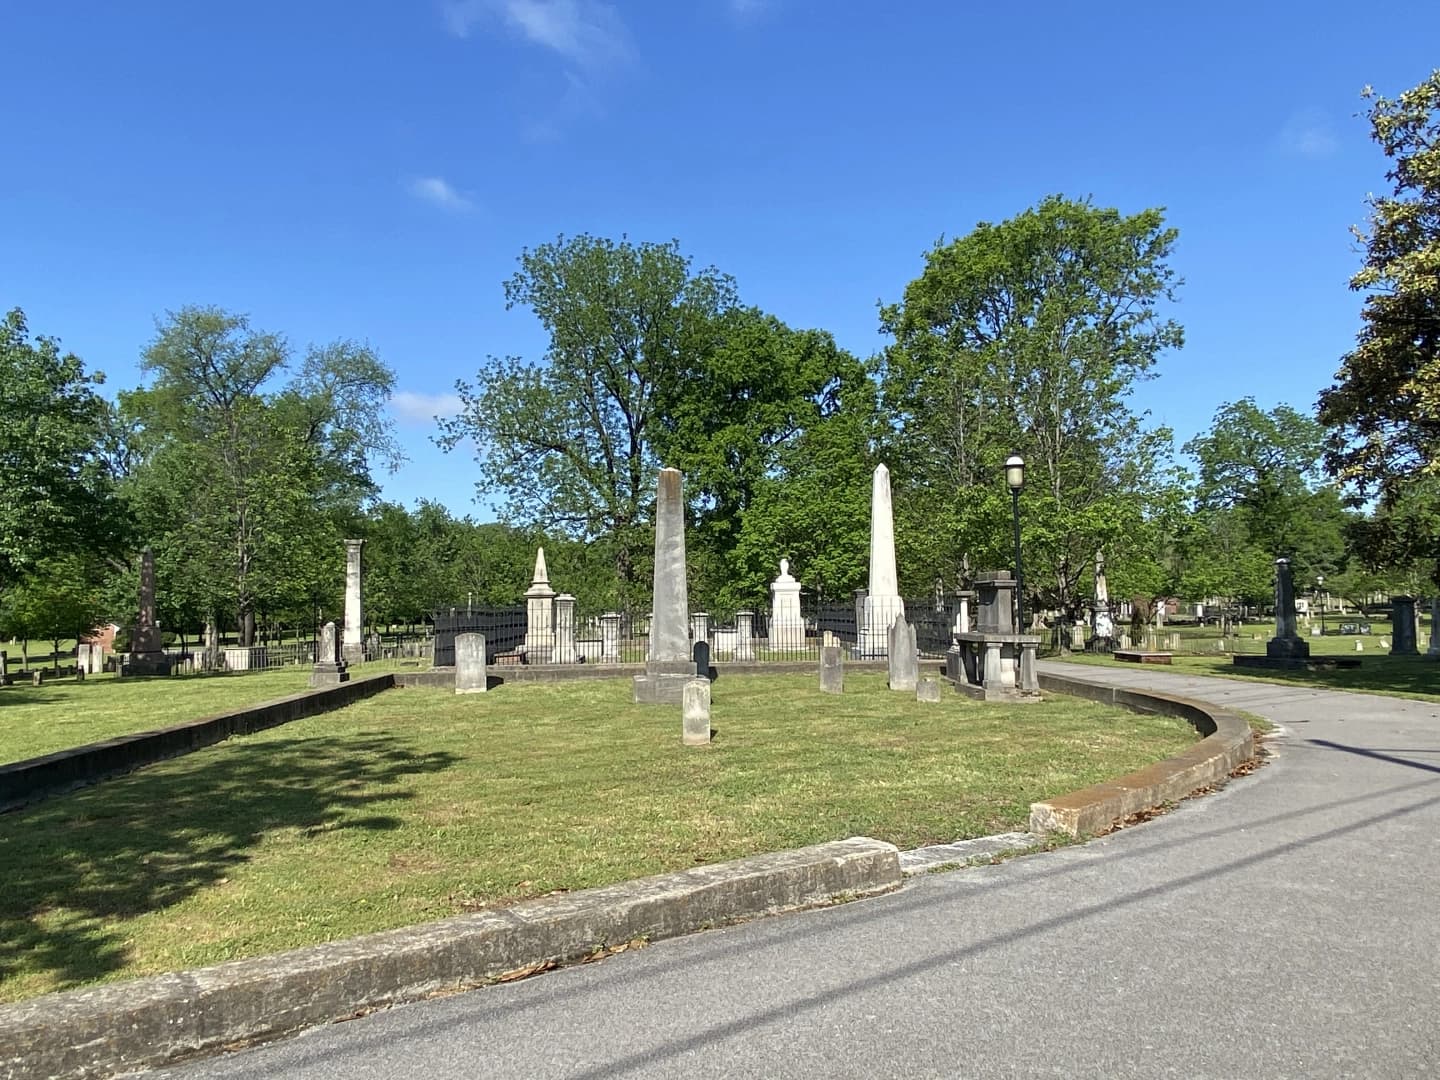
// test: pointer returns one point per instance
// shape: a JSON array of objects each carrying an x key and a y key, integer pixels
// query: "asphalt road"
[{"x": 1288, "y": 926}]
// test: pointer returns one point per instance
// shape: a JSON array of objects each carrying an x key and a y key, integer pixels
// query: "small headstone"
[
  {"x": 928, "y": 689},
  {"x": 1077, "y": 637},
  {"x": 829, "y": 640},
  {"x": 832, "y": 670},
  {"x": 1384, "y": 643},
  {"x": 37, "y": 678},
  {"x": 1359, "y": 646},
  {"x": 695, "y": 705},
  {"x": 79, "y": 674},
  {"x": 701, "y": 652},
  {"x": 470, "y": 663},
  {"x": 903, "y": 658}
]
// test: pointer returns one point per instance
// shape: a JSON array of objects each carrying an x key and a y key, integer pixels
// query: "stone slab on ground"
[{"x": 1140, "y": 656}]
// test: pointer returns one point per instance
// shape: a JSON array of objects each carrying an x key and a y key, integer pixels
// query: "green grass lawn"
[
  {"x": 417, "y": 804},
  {"x": 58, "y": 715}
]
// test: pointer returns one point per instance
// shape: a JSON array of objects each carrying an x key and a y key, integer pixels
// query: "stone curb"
[
  {"x": 1227, "y": 742},
  {"x": 543, "y": 673},
  {"x": 23, "y": 782},
  {"x": 149, "y": 1022}
]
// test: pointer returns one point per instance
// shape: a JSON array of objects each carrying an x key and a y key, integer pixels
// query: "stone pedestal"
[
  {"x": 352, "y": 643},
  {"x": 470, "y": 664},
  {"x": 832, "y": 669},
  {"x": 903, "y": 657},
  {"x": 787, "y": 626},
  {"x": 1403, "y": 622},
  {"x": 663, "y": 682},
  {"x": 695, "y": 712},
  {"x": 330, "y": 667}
]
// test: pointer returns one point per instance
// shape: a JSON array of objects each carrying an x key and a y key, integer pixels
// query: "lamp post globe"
[{"x": 1015, "y": 473}]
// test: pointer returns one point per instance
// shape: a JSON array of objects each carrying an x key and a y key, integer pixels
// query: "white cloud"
[
  {"x": 588, "y": 33},
  {"x": 422, "y": 408},
  {"x": 438, "y": 192},
  {"x": 1307, "y": 133}
]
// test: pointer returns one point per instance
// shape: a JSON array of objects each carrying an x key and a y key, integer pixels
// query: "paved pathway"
[{"x": 1288, "y": 926}]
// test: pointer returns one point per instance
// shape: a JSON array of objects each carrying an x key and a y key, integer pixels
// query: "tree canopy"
[
  {"x": 1029, "y": 336},
  {"x": 1384, "y": 406}
]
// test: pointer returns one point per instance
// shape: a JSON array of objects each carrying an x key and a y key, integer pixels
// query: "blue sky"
[{"x": 372, "y": 169}]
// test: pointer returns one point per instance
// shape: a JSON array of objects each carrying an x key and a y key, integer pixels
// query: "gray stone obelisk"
[
  {"x": 353, "y": 642},
  {"x": 1287, "y": 642},
  {"x": 882, "y": 601},
  {"x": 147, "y": 653},
  {"x": 669, "y": 663}
]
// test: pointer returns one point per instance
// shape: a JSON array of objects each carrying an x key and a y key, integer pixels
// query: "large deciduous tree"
[
  {"x": 56, "y": 454},
  {"x": 1384, "y": 406},
  {"x": 243, "y": 483},
  {"x": 650, "y": 362},
  {"x": 1029, "y": 336}
]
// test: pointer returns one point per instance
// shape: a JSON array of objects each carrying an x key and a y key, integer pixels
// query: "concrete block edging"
[
  {"x": 144, "y": 1023},
  {"x": 1227, "y": 743}
]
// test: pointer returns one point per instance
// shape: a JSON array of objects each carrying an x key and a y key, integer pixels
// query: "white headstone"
[
  {"x": 787, "y": 626},
  {"x": 470, "y": 664}
]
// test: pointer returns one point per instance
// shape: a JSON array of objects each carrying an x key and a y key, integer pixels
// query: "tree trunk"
[{"x": 246, "y": 628}]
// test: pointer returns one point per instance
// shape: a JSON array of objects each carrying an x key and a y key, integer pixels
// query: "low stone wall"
[
  {"x": 445, "y": 677},
  {"x": 1227, "y": 743},
  {"x": 148, "y": 1022},
  {"x": 23, "y": 782}
]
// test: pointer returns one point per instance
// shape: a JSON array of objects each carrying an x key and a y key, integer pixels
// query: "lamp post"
[
  {"x": 1320, "y": 599},
  {"x": 1015, "y": 478}
]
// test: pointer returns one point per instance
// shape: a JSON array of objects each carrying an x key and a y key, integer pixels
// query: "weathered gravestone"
[
  {"x": 695, "y": 712},
  {"x": 903, "y": 657},
  {"x": 928, "y": 689},
  {"x": 352, "y": 641},
  {"x": 470, "y": 664},
  {"x": 330, "y": 667},
  {"x": 832, "y": 669},
  {"x": 1403, "y": 618},
  {"x": 668, "y": 664}
]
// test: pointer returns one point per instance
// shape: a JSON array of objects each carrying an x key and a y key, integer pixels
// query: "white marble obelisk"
[
  {"x": 539, "y": 614},
  {"x": 882, "y": 603},
  {"x": 352, "y": 641}
]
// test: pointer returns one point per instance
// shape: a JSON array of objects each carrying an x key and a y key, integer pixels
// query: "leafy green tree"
[
  {"x": 571, "y": 442},
  {"x": 57, "y": 445},
  {"x": 244, "y": 484},
  {"x": 1029, "y": 336},
  {"x": 1384, "y": 407},
  {"x": 1263, "y": 469},
  {"x": 59, "y": 598}
]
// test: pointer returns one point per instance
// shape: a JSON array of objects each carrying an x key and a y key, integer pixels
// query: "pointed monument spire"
[{"x": 541, "y": 576}]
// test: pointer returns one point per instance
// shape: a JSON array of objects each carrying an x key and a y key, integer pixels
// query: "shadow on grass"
[
  {"x": 1379, "y": 674},
  {"x": 153, "y": 839}
]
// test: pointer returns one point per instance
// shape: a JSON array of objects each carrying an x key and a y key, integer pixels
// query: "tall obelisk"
[
  {"x": 669, "y": 664},
  {"x": 882, "y": 603}
]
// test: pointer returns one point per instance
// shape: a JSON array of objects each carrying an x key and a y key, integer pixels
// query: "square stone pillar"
[
  {"x": 832, "y": 670},
  {"x": 1403, "y": 624},
  {"x": 565, "y": 652},
  {"x": 610, "y": 638},
  {"x": 744, "y": 635},
  {"x": 353, "y": 641}
]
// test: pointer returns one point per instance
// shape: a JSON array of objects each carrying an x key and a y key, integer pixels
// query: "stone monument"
[
  {"x": 695, "y": 712},
  {"x": 353, "y": 642},
  {"x": 1403, "y": 622},
  {"x": 539, "y": 614},
  {"x": 1433, "y": 652},
  {"x": 470, "y": 664},
  {"x": 669, "y": 664},
  {"x": 993, "y": 662},
  {"x": 1103, "y": 625},
  {"x": 902, "y": 656},
  {"x": 882, "y": 600},
  {"x": 147, "y": 655},
  {"x": 832, "y": 669},
  {"x": 787, "y": 626},
  {"x": 1287, "y": 649},
  {"x": 565, "y": 650},
  {"x": 330, "y": 667}
]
